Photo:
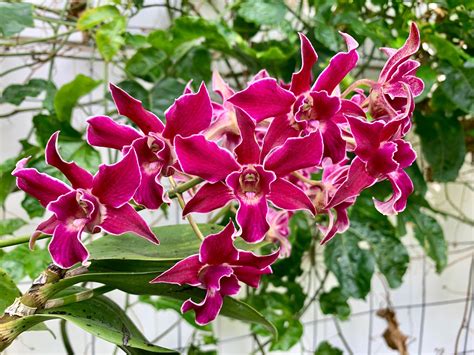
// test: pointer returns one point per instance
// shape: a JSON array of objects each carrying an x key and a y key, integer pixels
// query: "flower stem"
[
  {"x": 19, "y": 240},
  {"x": 181, "y": 202},
  {"x": 357, "y": 83},
  {"x": 178, "y": 189}
]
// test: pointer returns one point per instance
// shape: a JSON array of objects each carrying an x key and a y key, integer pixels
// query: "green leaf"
[
  {"x": 458, "y": 87},
  {"x": 14, "y": 17},
  {"x": 10, "y": 225},
  {"x": 447, "y": 50},
  {"x": 95, "y": 16},
  {"x": 163, "y": 94},
  {"x": 46, "y": 125},
  {"x": 352, "y": 265},
  {"x": 335, "y": 302},
  {"x": 69, "y": 94},
  {"x": 138, "y": 283},
  {"x": 430, "y": 235},
  {"x": 98, "y": 316},
  {"x": 390, "y": 254},
  {"x": 164, "y": 303},
  {"x": 176, "y": 242},
  {"x": 82, "y": 153},
  {"x": 442, "y": 143},
  {"x": 16, "y": 93},
  {"x": 8, "y": 290},
  {"x": 325, "y": 348},
  {"x": 21, "y": 262},
  {"x": 195, "y": 64},
  {"x": 7, "y": 180},
  {"x": 32, "y": 207},
  {"x": 263, "y": 12},
  {"x": 327, "y": 35},
  {"x": 146, "y": 64},
  {"x": 109, "y": 38}
]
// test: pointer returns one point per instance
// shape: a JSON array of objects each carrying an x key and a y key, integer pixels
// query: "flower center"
[{"x": 249, "y": 181}]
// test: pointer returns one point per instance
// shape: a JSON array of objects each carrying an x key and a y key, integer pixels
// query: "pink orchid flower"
[
  {"x": 217, "y": 268},
  {"x": 279, "y": 230},
  {"x": 388, "y": 96},
  {"x": 302, "y": 107},
  {"x": 190, "y": 114},
  {"x": 251, "y": 178},
  {"x": 93, "y": 203}
]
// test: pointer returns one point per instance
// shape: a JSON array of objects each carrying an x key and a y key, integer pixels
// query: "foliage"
[{"x": 155, "y": 66}]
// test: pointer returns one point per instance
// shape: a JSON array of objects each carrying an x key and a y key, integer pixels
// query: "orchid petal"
[
  {"x": 207, "y": 310},
  {"x": 295, "y": 154},
  {"x": 211, "y": 275},
  {"x": 248, "y": 151},
  {"x": 410, "y": 47},
  {"x": 402, "y": 188},
  {"x": 334, "y": 144},
  {"x": 190, "y": 114},
  {"x": 339, "y": 66},
  {"x": 200, "y": 157},
  {"x": 219, "y": 248},
  {"x": 278, "y": 132},
  {"x": 336, "y": 225},
  {"x": 357, "y": 180},
  {"x": 79, "y": 177},
  {"x": 247, "y": 258},
  {"x": 220, "y": 87},
  {"x": 102, "y": 131},
  {"x": 301, "y": 81},
  {"x": 405, "y": 154},
  {"x": 41, "y": 186},
  {"x": 46, "y": 227},
  {"x": 250, "y": 275},
  {"x": 287, "y": 196},
  {"x": 67, "y": 208},
  {"x": 263, "y": 99},
  {"x": 125, "y": 219},
  {"x": 66, "y": 247},
  {"x": 134, "y": 110},
  {"x": 251, "y": 218},
  {"x": 116, "y": 184},
  {"x": 183, "y": 272},
  {"x": 209, "y": 198}
]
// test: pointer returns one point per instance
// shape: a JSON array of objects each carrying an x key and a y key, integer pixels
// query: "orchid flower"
[
  {"x": 190, "y": 114},
  {"x": 304, "y": 108},
  {"x": 217, "y": 268},
  {"x": 91, "y": 204},
  {"x": 251, "y": 178},
  {"x": 279, "y": 230},
  {"x": 388, "y": 95}
]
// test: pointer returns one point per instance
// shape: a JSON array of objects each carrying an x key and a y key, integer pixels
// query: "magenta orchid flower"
[
  {"x": 217, "y": 268},
  {"x": 302, "y": 107},
  {"x": 251, "y": 178},
  {"x": 91, "y": 204},
  {"x": 388, "y": 96},
  {"x": 279, "y": 230},
  {"x": 190, "y": 114}
]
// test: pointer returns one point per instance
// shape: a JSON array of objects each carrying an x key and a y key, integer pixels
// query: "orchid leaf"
[
  {"x": 110, "y": 324},
  {"x": 138, "y": 283}
]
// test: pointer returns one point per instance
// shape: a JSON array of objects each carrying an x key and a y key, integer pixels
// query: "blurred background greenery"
[{"x": 239, "y": 38}]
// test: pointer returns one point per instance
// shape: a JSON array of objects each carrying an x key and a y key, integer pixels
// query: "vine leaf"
[
  {"x": 15, "y": 17},
  {"x": 69, "y": 94},
  {"x": 8, "y": 290},
  {"x": 352, "y": 265}
]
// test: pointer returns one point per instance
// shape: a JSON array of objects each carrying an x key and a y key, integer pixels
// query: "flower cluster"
[{"x": 268, "y": 150}]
